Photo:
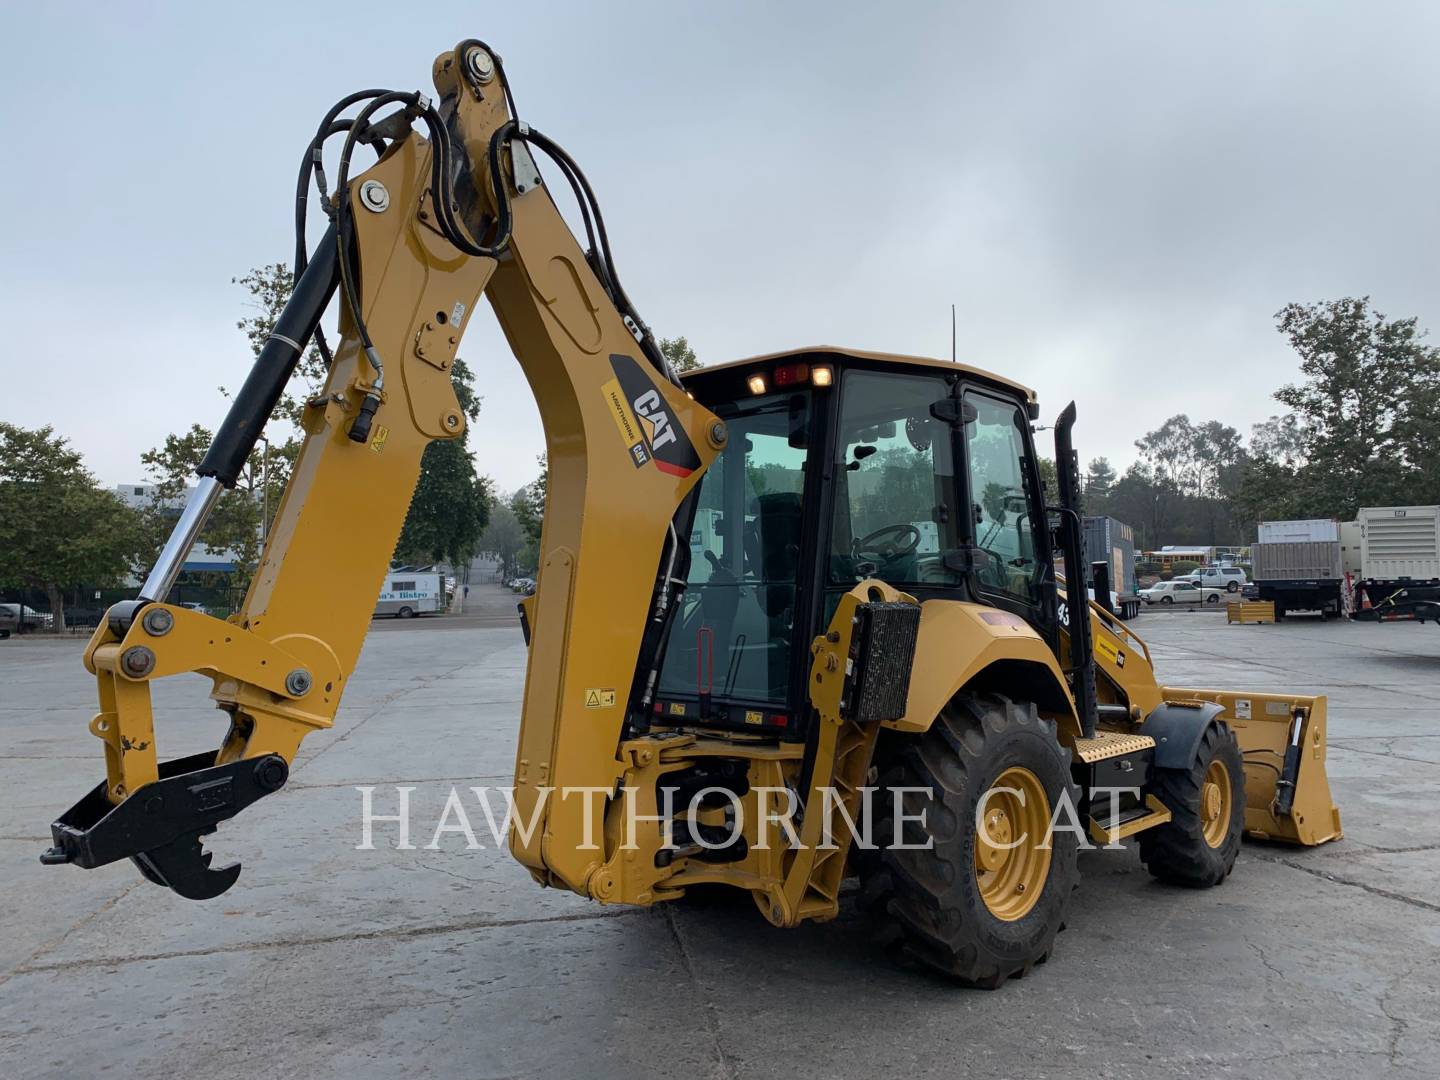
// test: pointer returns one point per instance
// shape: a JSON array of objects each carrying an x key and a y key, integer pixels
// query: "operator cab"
[{"x": 842, "y": 466}]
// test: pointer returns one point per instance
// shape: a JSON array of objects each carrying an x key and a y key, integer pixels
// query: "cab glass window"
[
  {"x": 732, "y": 636},
  {"x": 1003, "y": 527},
  {"x": 895, "y": 492}
]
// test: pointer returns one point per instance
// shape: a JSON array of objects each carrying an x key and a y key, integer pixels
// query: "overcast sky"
[{"x": 1116, "y": 197}]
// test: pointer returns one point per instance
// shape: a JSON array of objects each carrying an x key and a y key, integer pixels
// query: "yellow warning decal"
[
  {"x": 754, "y": 717},
  {"x": 1107, "y": 650},
  {"x": 377, "y": 443},
  {"x": 625, "y": 422},
  {"x": 597, "y": 698},
  {"x": 677, "y": 708}
]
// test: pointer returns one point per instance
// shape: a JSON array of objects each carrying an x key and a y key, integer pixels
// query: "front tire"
[
  {"x": 952, "y": 898},
  {"x": 1197, "y": 847},
  {"x": 1167, "y": 600}
]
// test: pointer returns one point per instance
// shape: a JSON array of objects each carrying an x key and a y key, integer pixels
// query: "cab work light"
[{"x": 756, "y": 384}]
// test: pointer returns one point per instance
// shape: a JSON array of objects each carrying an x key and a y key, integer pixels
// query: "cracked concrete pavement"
[{"x": 325, "y": 961}]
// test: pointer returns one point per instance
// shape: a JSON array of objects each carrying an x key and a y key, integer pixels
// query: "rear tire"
[
  {"x": 405, "y": 613},
  {"x": 930, "y": 903},
  {"x": 1197, "y": 847}
]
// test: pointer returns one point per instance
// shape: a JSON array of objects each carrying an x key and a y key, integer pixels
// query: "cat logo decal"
[{"x": 646, "y": 422}]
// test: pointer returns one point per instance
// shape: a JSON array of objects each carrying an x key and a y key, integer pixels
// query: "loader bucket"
[{"x": 1282, "y": 738}]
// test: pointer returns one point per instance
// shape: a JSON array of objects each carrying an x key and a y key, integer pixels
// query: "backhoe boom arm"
[{"x": 625, "y": 444}]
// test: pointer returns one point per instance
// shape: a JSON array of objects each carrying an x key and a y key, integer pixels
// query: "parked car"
[
  {"x": 1180, "y": 592},
  {"x": 22, "y": 619}
]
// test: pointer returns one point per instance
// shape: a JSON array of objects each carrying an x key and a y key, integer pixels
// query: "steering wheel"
[{"x": 889, "y": 542}]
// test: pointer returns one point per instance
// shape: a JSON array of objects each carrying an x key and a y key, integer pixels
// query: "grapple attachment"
[{"x": 159, "y": 828}]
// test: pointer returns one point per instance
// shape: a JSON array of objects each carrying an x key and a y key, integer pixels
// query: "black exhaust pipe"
[{"x": 1072, "y": 545}]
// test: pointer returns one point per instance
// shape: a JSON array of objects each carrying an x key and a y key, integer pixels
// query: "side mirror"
[
  {"x": 953, "y": 411},
  {"x": 861, "y": 452}
]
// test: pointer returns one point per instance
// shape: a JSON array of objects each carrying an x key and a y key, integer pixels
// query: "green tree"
[
  {"x": 1281, "y": 439},
  {"x": 1367, "y": 408},
  {"x": 1136, "y": 500},
  {"x": 681, "y": 356},
  {"x": 1183, "y": 484},
  {"x": 235, "y": 523},
  {"x": 528, "y": 503},
  {"x": 58, "y": 527},
  {"x": 505, "y": 538},
  {"x": 449, "y": 510},
  {"x": 269, "y": 288},
  {"x": 447, "y": 513},
  {"x": 240, "y": 519},
  {"x": 451, "y": 505},
  {"x": 1100, "y": 477},
  {"x": 1049, "y": 480}
]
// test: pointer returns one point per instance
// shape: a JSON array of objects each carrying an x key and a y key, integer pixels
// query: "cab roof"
[{"x": 892, "y": 359}]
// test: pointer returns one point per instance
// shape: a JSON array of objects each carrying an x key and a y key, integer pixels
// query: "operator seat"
[{"x": 773, "y": 547}]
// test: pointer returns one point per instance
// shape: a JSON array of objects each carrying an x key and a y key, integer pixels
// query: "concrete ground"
[{"x": 325, "y": 961}]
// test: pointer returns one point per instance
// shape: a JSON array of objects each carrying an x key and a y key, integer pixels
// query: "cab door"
[
  {"x": 895, "y": 511},
  {"x": 1006, "y": 525}
]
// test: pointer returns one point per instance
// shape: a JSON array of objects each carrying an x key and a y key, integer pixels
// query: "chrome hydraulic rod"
[
  {"x": 182, "y": 538},
  {"x": 251, "y": 409}
]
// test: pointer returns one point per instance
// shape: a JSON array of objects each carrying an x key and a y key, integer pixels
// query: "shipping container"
[
  {"x": 1291, "y": 560},
  {"x": 1110, "y": 541},
  {"x": 1400, "y": 543},
  {"x": 1312, "y": 530}
]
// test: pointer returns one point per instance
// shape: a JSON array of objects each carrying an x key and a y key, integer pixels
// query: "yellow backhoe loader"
[{"x": 797, "y": 616}]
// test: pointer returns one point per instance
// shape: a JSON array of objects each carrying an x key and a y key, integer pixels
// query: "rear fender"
[
  {"x": 1177, "y": 728},
  {"x": 963, "y": 645}
]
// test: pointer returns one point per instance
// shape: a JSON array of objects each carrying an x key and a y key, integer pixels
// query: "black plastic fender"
[{"x": 1177, "y": 729}]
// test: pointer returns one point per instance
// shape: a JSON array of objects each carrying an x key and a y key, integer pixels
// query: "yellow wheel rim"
[
  {"x": 1215, "y": 803},
  {"x": 1011, "y": 865}
]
